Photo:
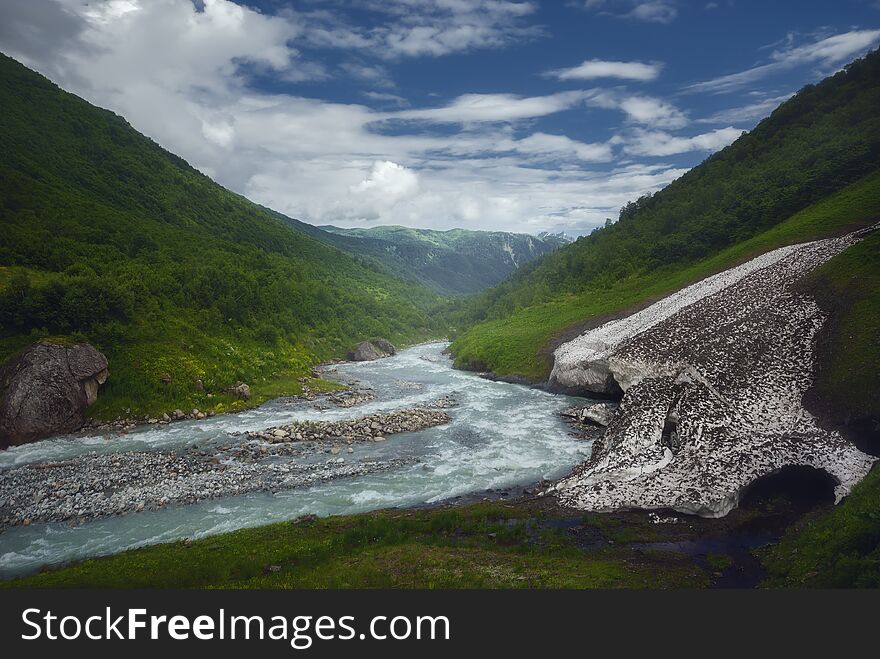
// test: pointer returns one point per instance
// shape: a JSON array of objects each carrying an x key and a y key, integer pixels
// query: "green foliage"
[
  {"x": 476, "y": 546},
  {"x": 848, "y": 377},
  {"x": 109, "y": 238},
  {"x": 452, "y": 262},
  {"x": 838, "y": 549},
  {"x": 841, "y": 548},
  {"x": 510, "y": 345},
  {"x": 813, "y": 145}
]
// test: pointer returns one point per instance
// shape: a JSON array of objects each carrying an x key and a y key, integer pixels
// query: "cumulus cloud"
[
  {"x": 554, "y": 147},
  {"x": 389, "y": 182},
  {"x": 386, "y": 97},
  {"x": 825, "y": 53},
  {"x": 745, "y": 113},
  {"x": 595, "y": 68},
  {"x": 652, "y": 11},
  {"x": 661, "y": 143},
  {"x": 640, "y": 109},
  {"x": 416, "y": 28},
  {"x": 470, "y": 108},
  {"x": 182, "y": 75}
]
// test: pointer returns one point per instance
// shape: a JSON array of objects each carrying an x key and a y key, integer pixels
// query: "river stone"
[
  {"x": 45, "y": 390},
  {"x": 385, "y": 346},
  {"x": 371, "y": 350},
  {"x": 240, "y": 390}
]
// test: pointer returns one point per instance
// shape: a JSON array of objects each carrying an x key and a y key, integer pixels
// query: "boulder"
[
  {"x": 365, "y": 352},
  {"x": 370, "y": 350},
  {"x": 385, "y": 346},
  {"x": 45, "y": 390},
  {"x": 240, "y": 391},
  {"x": 598, "y": 414}
]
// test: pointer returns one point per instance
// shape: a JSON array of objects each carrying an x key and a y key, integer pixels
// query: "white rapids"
[{"x": 501, "y": 436}]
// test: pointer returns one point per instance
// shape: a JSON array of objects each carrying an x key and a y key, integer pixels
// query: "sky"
[{"x": 509, "y": 115}]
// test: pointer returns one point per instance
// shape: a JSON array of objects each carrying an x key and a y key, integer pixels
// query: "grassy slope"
[
  {"x": 848, "y": 378},
  {"x": 477, "y": 546},
  {"x": 813, "y": 145},
  {"x": 109, "y": 238},
  {"x": 837, "y": 549},
  {"x": 842, "y": 548},
  {"x": 511, "y": 345}
]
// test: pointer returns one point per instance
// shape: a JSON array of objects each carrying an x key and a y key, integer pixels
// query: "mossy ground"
[
  {"x": 487, "y": 545},
  {"x": 839, "y": 548}
]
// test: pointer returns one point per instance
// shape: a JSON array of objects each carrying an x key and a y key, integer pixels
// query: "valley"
[{"x": 216, "y": 436}]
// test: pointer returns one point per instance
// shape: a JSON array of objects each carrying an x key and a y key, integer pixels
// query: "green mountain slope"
[
  {"x": 108, "y": 237},
  {"x": 451, "y": 262},
  {"x": 730, "y": 207}
]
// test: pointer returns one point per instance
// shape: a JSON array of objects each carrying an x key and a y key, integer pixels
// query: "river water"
[{"x": 501, "y": 436}]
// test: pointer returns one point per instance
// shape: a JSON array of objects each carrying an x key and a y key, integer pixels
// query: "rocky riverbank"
[
  {"x": 128, "y": 423},
  {"x": 368, "y": 428},
  {"x": 96, "y": 485},
  {"x": 93, "y": 485},
  {"x": 712, "y": 381}
]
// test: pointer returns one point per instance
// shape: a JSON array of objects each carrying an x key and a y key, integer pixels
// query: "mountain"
[
  {"x": 773, "y": 186},
  {"x": 184, "y": 285},
  {"x": 452, "y": 262}
]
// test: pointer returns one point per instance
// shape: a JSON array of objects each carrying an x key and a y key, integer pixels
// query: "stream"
[{"x": 501, "y": 436}]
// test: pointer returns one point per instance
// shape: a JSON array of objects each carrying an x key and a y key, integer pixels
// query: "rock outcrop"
[
  {"x": 45, "y": 390},
  {"x": 599, "y": 415},
  {"x": 367, "y": 351},
  {"x": 713, "y": 379},
  {"x": 385, "y": 346},
  {"x": 240, "y": 390}
]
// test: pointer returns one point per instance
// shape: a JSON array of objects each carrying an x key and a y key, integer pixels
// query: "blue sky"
[{"x": 485, "y": 114}]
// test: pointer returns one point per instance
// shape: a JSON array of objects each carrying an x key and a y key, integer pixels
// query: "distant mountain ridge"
[{"x": 451, "y": 262}]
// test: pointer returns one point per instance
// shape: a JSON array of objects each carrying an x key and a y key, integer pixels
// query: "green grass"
[
  {"x": 110, "y": 239},
  {"x": 848, "y": 377},
  {"x": 841, "y": 548},
  {"x": 138, "y": 365},
  {"x": 514, "y": 345},
  {"x": 476, "y": 546},
  {"x": 837, "y": 549}
]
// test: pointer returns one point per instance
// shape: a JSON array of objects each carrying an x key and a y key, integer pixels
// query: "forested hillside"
[
  {"x": 109, "y": 238},
  {"x": 822, "y": 140},
  {"x": 450, "y": 262}
]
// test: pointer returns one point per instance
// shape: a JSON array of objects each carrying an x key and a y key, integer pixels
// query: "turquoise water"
[{"x": 501, "y": 436}]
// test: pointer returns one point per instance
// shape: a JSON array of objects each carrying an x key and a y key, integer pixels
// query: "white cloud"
[
  {"x": 640, "y": 109},
  {"x": 385, "y": 97},
  {"x": 181, "y": 76},
  {"x": 417, "y": 28},
  {"x": 745, "y": 113},
  {"x": 560, "y": 146},
  {"x": 595, "y": 68},
  {"x": 660, "y": 143},
  {"x": 825, "y": 53},
  {"x": 375, "y": 75},
  {"x": 652, "y": 11},
  {"x": 390, "y": 181},
  {"x": 470, "y": 108}
]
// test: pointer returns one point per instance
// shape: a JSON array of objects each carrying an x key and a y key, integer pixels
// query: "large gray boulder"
[
  {"x": 45, "y": 390},
  {"x": 369, "y": 350},
  {"x": 385, "y": 346}
]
